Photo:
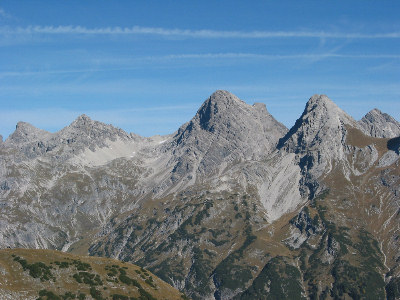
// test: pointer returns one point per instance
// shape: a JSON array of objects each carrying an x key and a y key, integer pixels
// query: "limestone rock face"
[
  {"x": 25, "y": 133},
  {"x": 379, "y": 124},
  {"x": 318, "y": 138},
  {"x": 224, "y": 130},
  {"x": 81, "y": 134},
  {"x": 320, "y": 128}
]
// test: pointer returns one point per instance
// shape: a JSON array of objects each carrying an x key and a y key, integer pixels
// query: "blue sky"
[{"x": 146, "y": 66}]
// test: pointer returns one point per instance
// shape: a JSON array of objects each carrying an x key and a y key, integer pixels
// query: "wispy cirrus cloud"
[
  {"x": 127, "y": 64},
  {"x": 272, "y": 56},
  {"x": 187, "y": 33}
]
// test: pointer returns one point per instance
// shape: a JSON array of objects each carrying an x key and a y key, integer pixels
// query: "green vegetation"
[
  {"x": 200, "y": 272},
  {"x": 79, "y": 265},
  {"x": 230, "y": 273},
  {"x": 277, "y": 280},
  {"x": 36, "y": 270},
  {"x": 357, "y": 277},
  {"x": 96, "y": 294},
  {"x": 88, "y": 278},
  {"x": 49, "y": 295}
]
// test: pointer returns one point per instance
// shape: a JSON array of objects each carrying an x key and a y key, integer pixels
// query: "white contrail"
[{"x": 138, "y": 30}]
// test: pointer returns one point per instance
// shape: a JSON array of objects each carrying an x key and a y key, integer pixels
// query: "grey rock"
[
  {"x": 224, "y": 131},
  {"x": 389, "y": 158},
  {"x": 379, "y": 124},
  {"x": 318, "y": 138},
  {"x": 26, "y": 133},
  {"x": 232, "y": 167},
  {"x": 83, "y": 133}
]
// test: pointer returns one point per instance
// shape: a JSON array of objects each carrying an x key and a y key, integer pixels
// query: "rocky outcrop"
[{"x": 379, "y": 124}]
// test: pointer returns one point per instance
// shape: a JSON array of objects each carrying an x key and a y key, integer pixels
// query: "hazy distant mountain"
[{"x": 232, "y": 205}]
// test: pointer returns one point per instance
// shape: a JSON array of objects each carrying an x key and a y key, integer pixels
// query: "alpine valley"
[{"x": 233, "y": 205}]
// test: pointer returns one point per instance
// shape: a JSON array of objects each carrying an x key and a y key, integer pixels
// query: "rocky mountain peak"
[
  {"x": 225, "y": 115},
  {"x": 83, "y": 121},
  {"x": 321, "y": 122},
  {"x": 319, "y": 137},
  {"x": 319, "y": 105},
  {"x": 224, "y": 130},
  {"x": 25, "y": 133},
  {"x": 219, "y": 106},
  {"x": 378, "y": 124},
  {"x": 93, "y": 129},
  {"x": 222, "y": 96}
]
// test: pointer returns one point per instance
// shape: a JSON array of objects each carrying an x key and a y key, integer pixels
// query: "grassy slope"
[{"x": 58, "y": 273}]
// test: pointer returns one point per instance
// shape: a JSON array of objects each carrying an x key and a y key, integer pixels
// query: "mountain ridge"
[{"x": 213, "y": 207}]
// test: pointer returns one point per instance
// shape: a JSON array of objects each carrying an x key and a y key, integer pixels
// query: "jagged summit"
[
  {"x": 224, "y": 96},
  {"x": 225, "y": 129},
  {"x": 84, "y": 125},
  {"x": 319, "y": 138},
  {"x": 321, "y": 122},
  {"x": 82, "y": 119},
  {"x": 25, "y": 133},
  {"x": 227, "y": 116},
  {"x": 378, "y": 124},
  {"x": 320, "y": 106},
  {"x": 221, "y": 104}
]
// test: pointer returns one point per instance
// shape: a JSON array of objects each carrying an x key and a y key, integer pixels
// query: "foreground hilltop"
[
  {"x": 47, "y": 274},
  {"x": 231, "y": 206}
]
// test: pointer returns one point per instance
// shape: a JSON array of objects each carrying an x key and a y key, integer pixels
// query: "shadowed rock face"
[
  {"x": 318, "y": 138},
  {"x": 379, "y": 124},
  {"x": 225, "y": 129},
  {"x": 394, "y": 144}
]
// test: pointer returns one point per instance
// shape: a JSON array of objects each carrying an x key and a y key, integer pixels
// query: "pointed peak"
[
  {"x": 28, "y": 129},
  {"x": 222, "y": 96},
  {"x": 323, "y": 107},
  {"x": 221, "y": 93},
  {"x": 321, "y": 121},
  {"x": 320, "y": 101},
  {"x": 25, "y": 132},
  {"x": 24, "y": 126},
  {"x": 320, "y": 98},
  {"x": 82, "y": 119},
  {"x": 379, "y": 124},
  {"x": 376, "y": 114},
  {"x": 376, "y": 111}
]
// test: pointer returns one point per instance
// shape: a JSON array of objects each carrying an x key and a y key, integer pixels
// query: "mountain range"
[{"x": 233, "y": 205}]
